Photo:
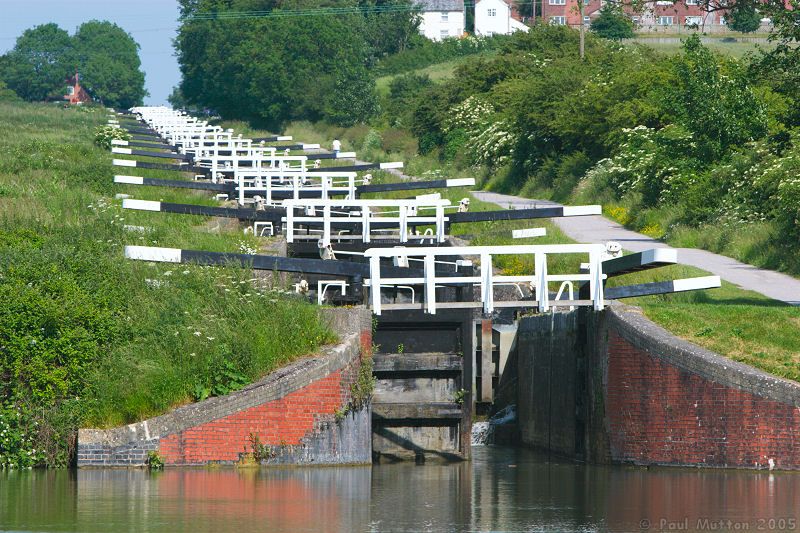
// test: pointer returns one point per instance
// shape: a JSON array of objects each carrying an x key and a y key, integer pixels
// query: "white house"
[
  {"x": 441, "y": 18},
  {"x": 494, "y": 17}
]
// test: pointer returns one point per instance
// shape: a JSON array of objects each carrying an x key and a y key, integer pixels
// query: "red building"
[
  {"x": 75, "y": 93},
  {"x": 662, "y": 15}
]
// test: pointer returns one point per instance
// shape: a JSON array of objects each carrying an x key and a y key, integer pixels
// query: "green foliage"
[
  {"x": 391, "y": 32},
  {"x": 460, "y": 396},
  {"x": 103, "y": 136},
  {"x": 403, "y": 94},
  {"x": 362, "y": 388},
  {"x": 109, "y": 65},
  {"x": 154, "y": 460},
  {"x": 6, "y": 94},
  {"x": 39, "y": 63},
  {"x": 272, "y": 70},
  {"x": 353, "y": 99},
  {"x": 612, "y": 23},
  {"x": 259, "y": 450},
  {"x": 780, "y": 66},
  {"x": 713, "y": 100},
  {"x": 223, "y": 377},
  {"x": 176, "y": 98},
  {"x": 106, "y": 56},
  {"x": 744, "y": 17},
  {"x": 18, "y": 432}
]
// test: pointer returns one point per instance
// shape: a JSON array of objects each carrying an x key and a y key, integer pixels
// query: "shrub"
[
  {"x": 105, "y": 134},
  {"x": 403, "y": 93},
  {"x": 19, "y": 445},
  {"x": 399, "y": 141},
  {"x": 612, "y": 23},
  {"x": 474, "y": 127},
  {"x": 7, "y": 95},
  {"x": 744, "y": 17}
]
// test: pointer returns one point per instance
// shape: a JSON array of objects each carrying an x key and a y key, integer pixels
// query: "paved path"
[{"x": 591, "y": 229}]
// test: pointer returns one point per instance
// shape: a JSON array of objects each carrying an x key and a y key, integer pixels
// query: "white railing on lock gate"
[
  {"x": 540, "y": 279},
  {"x": 403, "y": 213}
]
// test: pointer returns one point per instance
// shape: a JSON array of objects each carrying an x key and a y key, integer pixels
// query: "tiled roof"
[{"x": 441, "y": 5}]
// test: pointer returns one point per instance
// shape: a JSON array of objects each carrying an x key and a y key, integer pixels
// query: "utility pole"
[{"x": 581, "y": 5}]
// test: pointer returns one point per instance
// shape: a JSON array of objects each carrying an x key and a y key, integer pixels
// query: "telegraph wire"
[{"x": 320, "y": 11}]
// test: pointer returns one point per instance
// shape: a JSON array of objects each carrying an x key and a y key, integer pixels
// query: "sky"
[{"x": 152, "y": 23}]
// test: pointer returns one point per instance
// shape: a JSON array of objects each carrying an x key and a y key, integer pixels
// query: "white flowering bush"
[
  {"x": 486, "y": 137},
  {"x": 788, "y": 201},
  {"x": 18, "y": 435},
  {"x": 654, "y": 163},
  {"x": 105, "y": 134}
]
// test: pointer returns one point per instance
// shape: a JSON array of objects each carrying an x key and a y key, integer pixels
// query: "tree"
[
  {"x": 105, "y": 55},
  {"x": 176, "y": 98},
  {"x": 613, "y": 24},
  {"x": 7, "y": 95},
  {"x": 280, "y": 66},
  {"x": 391, "y": 28},
  {"x": 353, "y": 98},
  {"x": 780, "y": 67},
  {"x": 108, "y": 60},
  {"x": 712, "y": 99},
  {"x": 744, "y": 17},
  {"x": 39, "y": 63}
]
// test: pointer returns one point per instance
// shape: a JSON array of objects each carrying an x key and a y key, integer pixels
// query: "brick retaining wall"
[
  {"x": 615, "y": 387},
  {"x": 671, "y": 402},
  {"x": 292, "y": 411}
]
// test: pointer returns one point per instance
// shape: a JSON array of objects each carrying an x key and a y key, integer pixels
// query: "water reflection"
[{"x": 502, "y": 489}]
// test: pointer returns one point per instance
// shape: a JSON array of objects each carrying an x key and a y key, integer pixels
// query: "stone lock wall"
[
  {"x": 292, "y": 410},
  {"x": 614, "y": 387}
]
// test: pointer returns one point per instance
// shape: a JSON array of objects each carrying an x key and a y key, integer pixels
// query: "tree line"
[
  {"x": 272, "y": 69},
  {"x": 105, "y": 55}
]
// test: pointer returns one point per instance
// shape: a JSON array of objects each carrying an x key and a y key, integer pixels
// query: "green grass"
[
  {"x": 742, "y": 325},
  {"x": 437, "y": 72},
  {"x": 761, "y": 244},
  {"x": 671, "y": 44},
  {"x": 90, "y": 339}
]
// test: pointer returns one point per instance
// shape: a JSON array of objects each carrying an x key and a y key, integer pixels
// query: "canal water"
[{"x": 502, "y": 489}]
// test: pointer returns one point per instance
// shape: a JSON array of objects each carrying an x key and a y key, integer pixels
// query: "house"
[
  {"x": 566, "y": 11},
  {"x": 75, "y": 93},
  {"x": 668, "y": 16},
  {"x": 658, "y": 15},
  {"x": 494, "y": 17},
  {"x": 441, "y": 18}
]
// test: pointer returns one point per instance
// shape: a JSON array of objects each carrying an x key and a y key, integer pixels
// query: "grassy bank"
[
  {"x": 88, "y": 338},
  {"x": 436, "y": 72},
  {"x": 760, "y": 243}
]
